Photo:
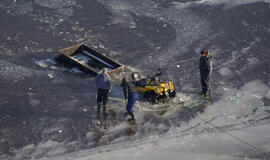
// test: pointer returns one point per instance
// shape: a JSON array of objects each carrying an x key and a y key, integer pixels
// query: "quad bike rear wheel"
[{"x": 153, "y": 97}]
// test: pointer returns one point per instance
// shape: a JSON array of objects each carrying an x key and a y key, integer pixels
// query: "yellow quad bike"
[{"x": 153, "y": 88}]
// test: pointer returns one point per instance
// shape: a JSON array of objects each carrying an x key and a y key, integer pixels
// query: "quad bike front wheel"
[{"x": 172, "y": 94}]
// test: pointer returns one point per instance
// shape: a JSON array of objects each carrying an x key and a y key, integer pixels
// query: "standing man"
[
  {"x": 131, "y": 96},
  {"x": 103, "y": 84},
  {"x": 205, "y": 71}
]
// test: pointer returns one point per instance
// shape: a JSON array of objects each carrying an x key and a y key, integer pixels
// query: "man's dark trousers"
[
  {"x": 205, "y": 81},
  {"x": 102, "y": 96}
]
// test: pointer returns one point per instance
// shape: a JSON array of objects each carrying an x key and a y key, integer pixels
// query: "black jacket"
[
  {"x": 205, "y": 66},
  {"x": 128, "y": 87}
]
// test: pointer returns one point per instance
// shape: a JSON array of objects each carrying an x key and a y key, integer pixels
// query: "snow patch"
[
  {"x": 14, "y": 71},
  {"x": 253, "y": 61},
  {"x": 121, "y": 14},
  {"x": 55, "y": 4},
  {"x": 227, "y": 3},
  {"x": 34, "y": 102},
  {"x": 69, "y": 103},
  {"x": 245, "y": 23},
  {"x": 75, "y": 70},
  {"x": 220, "y": 146},
  {"x": 45, "y": 63},
  {"x": 256, "y": 87},
  {"x": 52, "y": 148},
  {"x": 246, "y": 49},
  {"x": 225, "y": 71},
  {"x": 230, "y": 3},
  {"x": 180, "y": 5}
]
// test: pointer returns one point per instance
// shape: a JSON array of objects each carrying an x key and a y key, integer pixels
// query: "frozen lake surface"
[{"x": 49, "y": 111}]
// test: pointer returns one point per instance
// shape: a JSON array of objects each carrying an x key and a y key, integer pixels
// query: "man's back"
[{"x": 103, "y": 81}]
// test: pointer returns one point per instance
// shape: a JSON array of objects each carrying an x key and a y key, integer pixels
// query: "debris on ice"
[
  {"x": 45, "y": 63},
  {"x": 50, "y": 75},
  {"x": 75, "y": 70},
  {"x": 101, "y": 46}
]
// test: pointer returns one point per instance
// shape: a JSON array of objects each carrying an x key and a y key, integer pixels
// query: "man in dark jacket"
[
  {"x": 103, "y": 84},
  {"x": 131, "y": 97},
  {"x": 205, "y": 71}
]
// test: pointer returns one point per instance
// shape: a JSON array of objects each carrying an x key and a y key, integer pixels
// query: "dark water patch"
[{"x": 24, "y": 25}]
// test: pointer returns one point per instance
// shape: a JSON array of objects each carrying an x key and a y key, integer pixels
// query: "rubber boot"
[
  {"x": 98, "y": 108},
  {"x": 206, "y": 95},
  {"x": 132, "y": 119}
]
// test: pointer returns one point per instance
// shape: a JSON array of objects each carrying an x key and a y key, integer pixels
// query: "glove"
[{"x": 126, "y": 101}]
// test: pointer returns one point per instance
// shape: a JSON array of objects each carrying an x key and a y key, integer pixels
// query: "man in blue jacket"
[
  {"x": 205, "y": 71},
  {"x": 103, "y": 84}
]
